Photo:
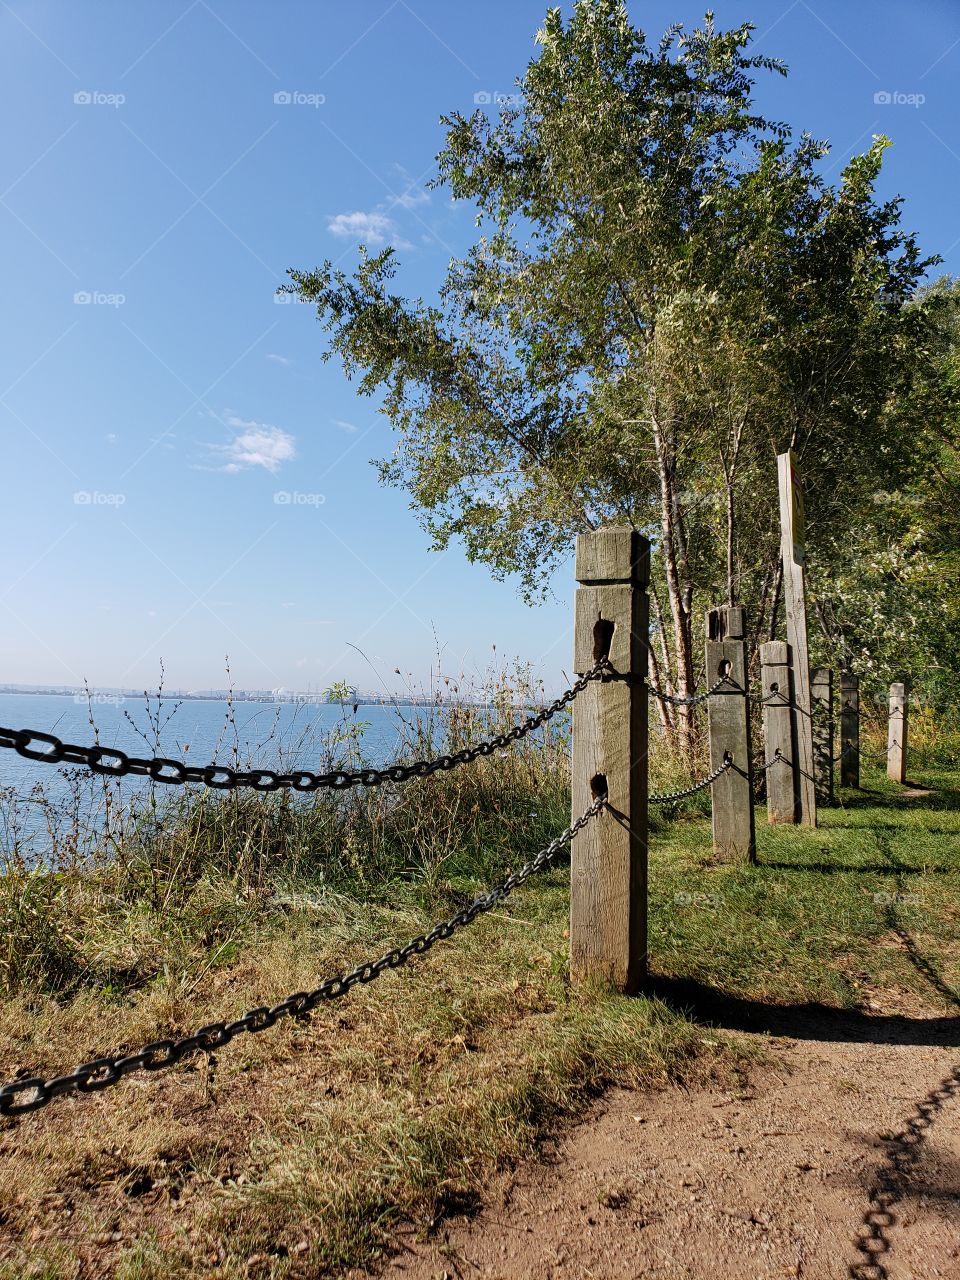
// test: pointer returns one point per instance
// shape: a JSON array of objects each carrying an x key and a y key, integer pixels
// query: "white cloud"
[
  {"x": 256, "y": 444},
  {"x": 271, "y": 355},
  {"x": 345, "y": 426},
  {"x": 372, "y": 229}
]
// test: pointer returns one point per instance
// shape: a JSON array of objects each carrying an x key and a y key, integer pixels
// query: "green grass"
[
  {"x": 807, "y": 922},
  {"x": 296, "y": 1152}
]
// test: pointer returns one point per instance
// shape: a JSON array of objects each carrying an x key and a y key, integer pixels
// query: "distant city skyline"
[{"x": 183, "y": 479}]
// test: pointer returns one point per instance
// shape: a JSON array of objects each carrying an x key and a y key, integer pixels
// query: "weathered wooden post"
[
  {"x": 608, "y": 858},
  {"x": 778, "y": 738},
  {"x": 734, "y": 833},
  {"x": 849, "y": 729},
  {"x": 897, "y": 733},
  {"x": 821, "y": 708},
  {"x": 793, "y": 554}
]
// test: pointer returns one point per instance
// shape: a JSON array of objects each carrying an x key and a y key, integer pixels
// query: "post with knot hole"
[
  {"x": 897, "y": 733},
  {"x": 779, "y": 743},
  {"x": 734, "y": 833},
  {"x": 608, "y": 858},
  {"x": 849, "y": 729}
]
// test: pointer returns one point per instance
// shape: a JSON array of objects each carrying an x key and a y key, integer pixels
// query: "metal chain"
[
  {"x": 117, "y": 764},
  {"x": 20, "y": 1096},
  {"x": 669, "y": 797},
  {"x": 778, "y": 758},
  {"x": 694, "y": 698}
]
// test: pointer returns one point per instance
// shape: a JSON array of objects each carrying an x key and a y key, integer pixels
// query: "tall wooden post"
[
  {"x": 734, "y": 833},
  {"x": 897, "y": 734},
  {"x": 608, "y": 858},
  {"x": 778, "y": 723},
  {"x": 792, "y": 534},
  {"x": 849, "y": 729},
  {"x": 821, "y": 695}
]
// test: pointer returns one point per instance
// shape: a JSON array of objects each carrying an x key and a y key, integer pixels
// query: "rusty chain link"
[
  {"x": 117, "y": 764},
  {"x": 20, "y": 1096}
]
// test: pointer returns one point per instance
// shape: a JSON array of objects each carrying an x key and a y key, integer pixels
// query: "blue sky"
[{"x": 149, "y": 167}]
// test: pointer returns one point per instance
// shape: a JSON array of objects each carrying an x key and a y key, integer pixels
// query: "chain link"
[
  {"x": 20, "y": 1096},
  {"x": 778, "y": 758},
  {"x": 694, "y": 698},
  {"x": 671, "y": 796},
  {"x": 117, "y": 764}
]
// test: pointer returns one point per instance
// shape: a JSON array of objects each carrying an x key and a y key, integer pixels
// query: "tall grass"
[{"x": 121, "y": 885}]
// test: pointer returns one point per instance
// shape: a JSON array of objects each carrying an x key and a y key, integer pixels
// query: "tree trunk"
[
  {"x": 731, "y": 533},
  {"x": 679, "y": 592}
]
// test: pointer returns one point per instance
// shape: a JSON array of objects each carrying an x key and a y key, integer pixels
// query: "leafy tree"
[
  {"x": 889, "y": 604},
  {"x": 664, "y": 294}
]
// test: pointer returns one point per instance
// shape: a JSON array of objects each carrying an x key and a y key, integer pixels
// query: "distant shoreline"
[{"x": 100, "y": 696}]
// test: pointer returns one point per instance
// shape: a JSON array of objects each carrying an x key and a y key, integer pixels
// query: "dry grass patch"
[{"x": 294, "y": 1152}]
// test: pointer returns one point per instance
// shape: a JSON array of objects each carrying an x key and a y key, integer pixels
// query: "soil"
[{"x": 840, "y": 1157}]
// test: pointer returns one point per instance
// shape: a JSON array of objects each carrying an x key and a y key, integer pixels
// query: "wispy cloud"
[
  {"x": 272, "y": 355},
  {"x": 413, "y": 194},
  {"x": 345, "y": 426},
  {"x": 255, "y": 444}
]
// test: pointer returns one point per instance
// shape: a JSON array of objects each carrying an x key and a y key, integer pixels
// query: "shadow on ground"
[
  {"x": 810, "y": 1021},
  {"x": 936, "y": 798}
]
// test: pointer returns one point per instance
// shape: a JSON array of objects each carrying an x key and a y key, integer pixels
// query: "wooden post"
[
  {"x": 792, "y": 531},
  {"x": 821, "y": 694},
  {"x": 608, "y": 858},
  {"x": 778, "y": 722},
  {"x": 849, "y": 729},
  {"x": 734, "y": 833},
  {"x": 897, "y": 734}
]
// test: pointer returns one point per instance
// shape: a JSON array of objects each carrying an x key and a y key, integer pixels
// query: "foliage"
[{"x": 665, "y": 293}]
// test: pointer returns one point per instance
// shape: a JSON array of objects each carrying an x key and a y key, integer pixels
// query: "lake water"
[{"x": 291, "y": 735}]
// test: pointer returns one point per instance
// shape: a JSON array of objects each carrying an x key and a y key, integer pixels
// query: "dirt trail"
[{"x": 772, "y": 1180}]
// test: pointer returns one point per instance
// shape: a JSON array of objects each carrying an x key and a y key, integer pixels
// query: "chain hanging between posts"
[
  {"x": 20, "y": 1096},
  {"x": 117, "y": 764},
  {"x": 669, "y": 797},
  {"x": 693, "y": 699},
  {"x": 778, "y": 758}
]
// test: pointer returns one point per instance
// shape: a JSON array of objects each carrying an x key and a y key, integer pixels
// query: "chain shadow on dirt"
[{"x": 895, "y": 1175}]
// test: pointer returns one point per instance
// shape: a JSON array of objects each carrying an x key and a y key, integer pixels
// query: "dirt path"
[{"x": 859, "y": 1112}]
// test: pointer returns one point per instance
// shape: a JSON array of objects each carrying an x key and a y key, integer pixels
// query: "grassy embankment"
[{"x": 299, "y": 1150}]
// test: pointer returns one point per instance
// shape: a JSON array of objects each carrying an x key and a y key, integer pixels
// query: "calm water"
[{"x": 268, "y": 734}]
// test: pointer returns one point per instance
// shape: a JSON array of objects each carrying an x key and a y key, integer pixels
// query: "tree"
[
  {"x": 889, "y": 605},
  {"x": 665, "y": 293}
]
